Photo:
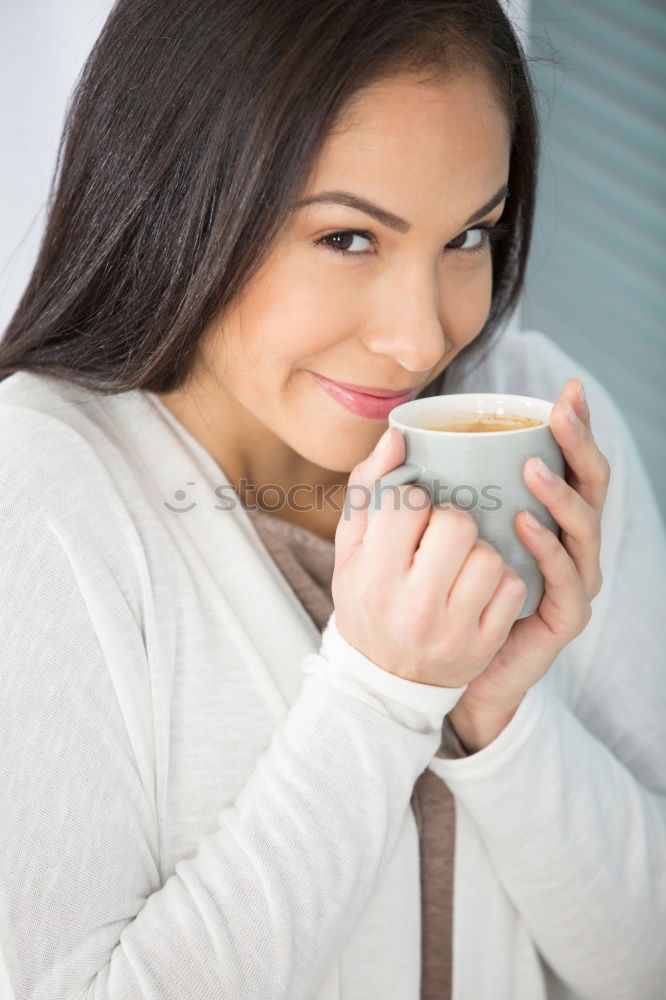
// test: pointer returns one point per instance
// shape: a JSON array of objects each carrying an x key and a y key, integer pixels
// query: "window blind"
[{"x": 596, "y": 273}]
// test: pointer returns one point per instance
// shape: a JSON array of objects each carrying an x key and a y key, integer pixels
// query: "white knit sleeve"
[
  {"x": 264, "y": 907},
  {"x": 570, "y": 799}
]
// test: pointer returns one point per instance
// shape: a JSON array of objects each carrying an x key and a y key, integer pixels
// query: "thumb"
[{"x": 388, "y": 453}]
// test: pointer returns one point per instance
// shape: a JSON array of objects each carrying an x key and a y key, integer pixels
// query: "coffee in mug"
[{"x": 472, "y": 423}]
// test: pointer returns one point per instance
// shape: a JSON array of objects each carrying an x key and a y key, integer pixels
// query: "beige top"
[{"x": 306, "y": 561}]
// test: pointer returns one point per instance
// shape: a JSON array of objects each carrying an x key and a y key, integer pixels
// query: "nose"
[{"x": 409, "y": 329}]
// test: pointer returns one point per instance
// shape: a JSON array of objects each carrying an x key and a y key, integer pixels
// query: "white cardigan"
[{"x": 200, "y": 803}]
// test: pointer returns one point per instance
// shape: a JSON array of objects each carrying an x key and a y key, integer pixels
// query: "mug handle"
[{"x": 405, "y": 473}]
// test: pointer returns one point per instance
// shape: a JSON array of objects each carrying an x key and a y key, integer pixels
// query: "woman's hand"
[
  {"x": 570, "y": 567},
  {"x": 414, "y": 588}
]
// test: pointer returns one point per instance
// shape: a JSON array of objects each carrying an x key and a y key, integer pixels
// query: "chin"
[{"x": 337, "y": 452}]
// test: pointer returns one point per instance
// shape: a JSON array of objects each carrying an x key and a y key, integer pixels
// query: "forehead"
[{"x": 404, "y": 135}]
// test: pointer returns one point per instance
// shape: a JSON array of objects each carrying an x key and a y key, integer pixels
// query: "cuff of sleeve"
[
  {"x": 485, "y": 764},
  {"x": 420, "y": 706}
]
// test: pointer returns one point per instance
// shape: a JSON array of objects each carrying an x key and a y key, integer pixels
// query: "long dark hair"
[{"x": 190, "y": 133}]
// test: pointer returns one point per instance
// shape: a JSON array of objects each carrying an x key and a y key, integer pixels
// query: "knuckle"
[
  {"x": 513, "y": 587},
  {"x": 489, "y": 558},
  {"x": 494, "y": 633},
  {"x": 458, "y": 516},
  {"x": 516, "y": 582}
]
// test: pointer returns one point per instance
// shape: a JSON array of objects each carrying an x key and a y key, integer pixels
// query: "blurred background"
[
  {"x": 596, "y": 281},
  {"x": 596, "y": 276}
]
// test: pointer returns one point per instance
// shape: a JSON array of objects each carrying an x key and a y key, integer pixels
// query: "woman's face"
[{"x": 391, "y": 312}]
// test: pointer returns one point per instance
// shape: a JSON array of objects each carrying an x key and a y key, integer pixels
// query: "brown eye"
[
  {"x": 455, "y": 244},
  {"x": 489, "y": 235},
  {"x": 345, "y": 241}
]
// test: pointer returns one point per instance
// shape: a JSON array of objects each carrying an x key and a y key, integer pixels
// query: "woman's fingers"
[
  {"x": 576, "y": 500},
  {"x": 579, "y": 523},
  {"x": 565, "y": 606},
  {"x": 451, "y": 531},
  {"x": 477, "y": 581},
  {"x": 588, "y": 469}
]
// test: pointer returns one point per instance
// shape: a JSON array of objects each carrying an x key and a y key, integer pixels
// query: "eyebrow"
[{"x": 388, "y": 218}]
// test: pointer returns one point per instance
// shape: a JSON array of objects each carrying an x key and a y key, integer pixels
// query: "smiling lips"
[
  {"x": 375, "y": 404},
  {"x": 369, "y": 390}
]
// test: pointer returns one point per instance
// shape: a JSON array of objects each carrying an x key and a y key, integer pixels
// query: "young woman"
[{"x": 255, "y": 745}]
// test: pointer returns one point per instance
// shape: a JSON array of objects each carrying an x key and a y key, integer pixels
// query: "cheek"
[
  {"x": 278, "y": 327},
  {"x": 296, "y": 313},
  {"x": 466, "y": 300}
]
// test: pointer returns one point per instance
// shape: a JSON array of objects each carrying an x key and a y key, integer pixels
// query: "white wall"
[{"x": 43, "y": 45}]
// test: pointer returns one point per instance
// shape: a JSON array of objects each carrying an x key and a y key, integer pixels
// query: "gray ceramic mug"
[{"x": 481, "y": 472}]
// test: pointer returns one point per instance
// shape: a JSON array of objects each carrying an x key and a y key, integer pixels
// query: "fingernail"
[
  {"x": 581, "y": 392},
  {"x": 382, "y": 444},
  {"x": 571, "y": 413},
  {"x": 532, "y": 522},
  {"x": 545, "y": 472}
]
